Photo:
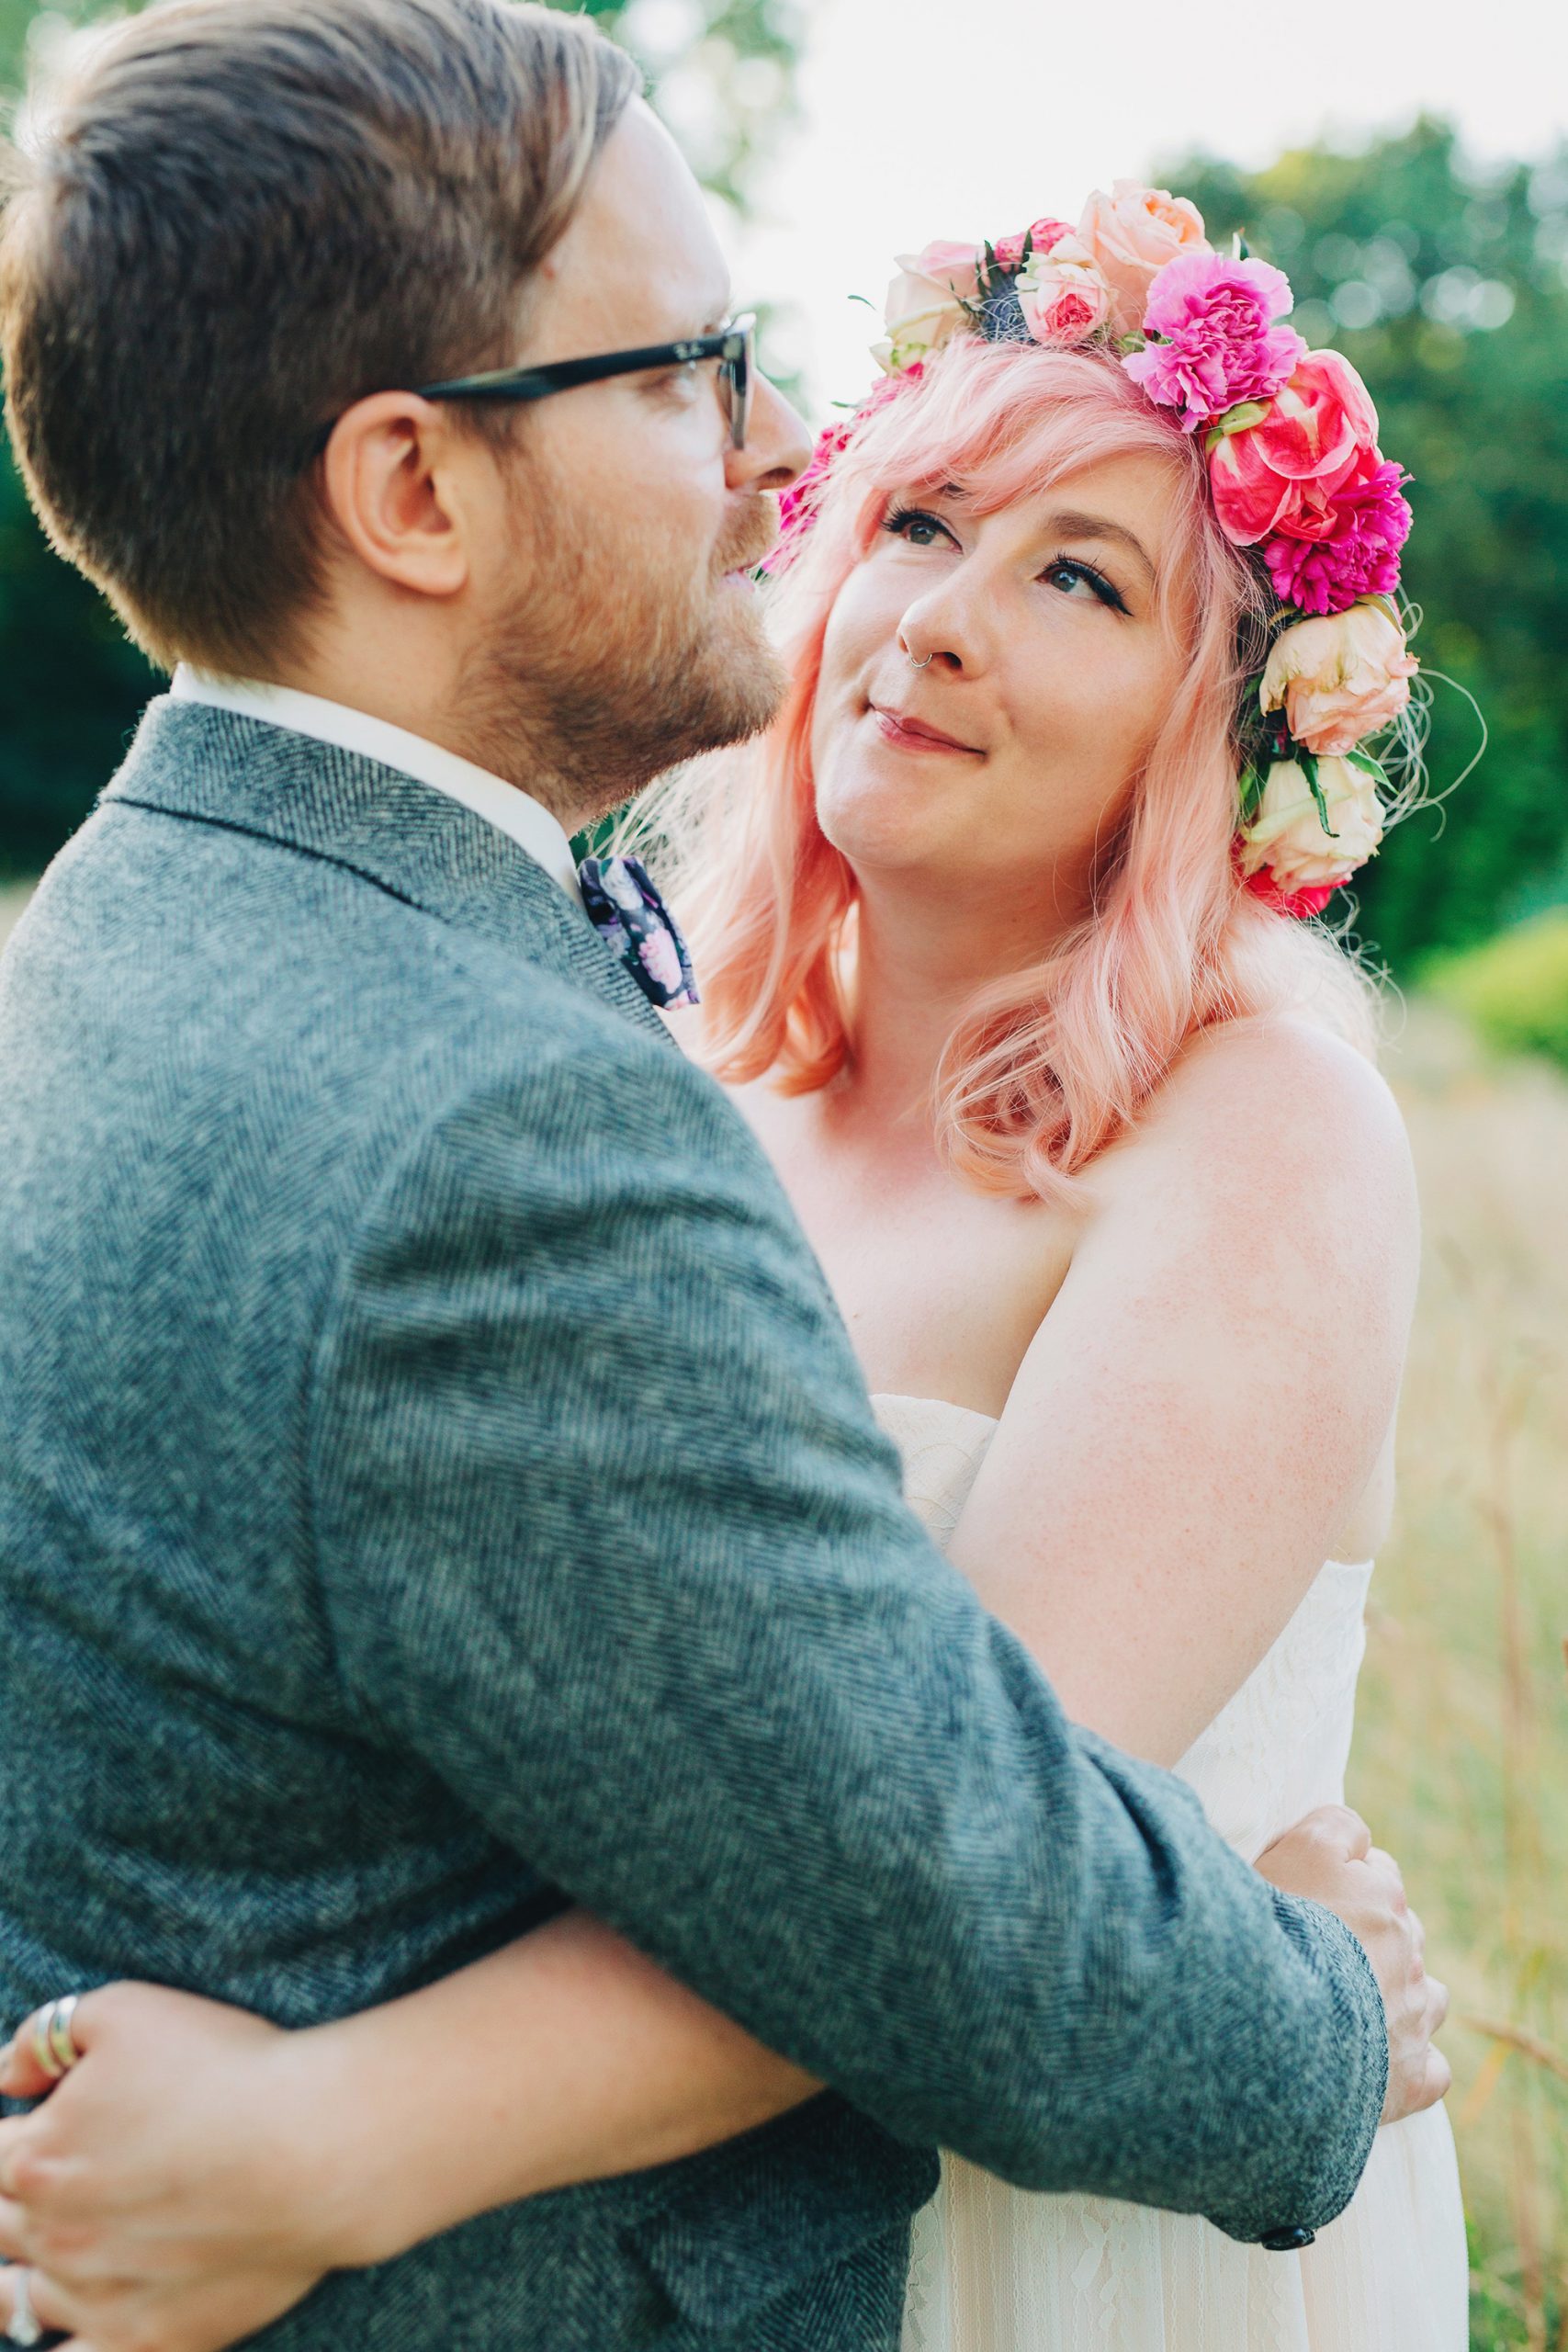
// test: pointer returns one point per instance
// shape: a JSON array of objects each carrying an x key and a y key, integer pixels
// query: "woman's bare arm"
[
  {"x": 1212, "y": 1390},
  {"x": 564, "y": 2057},
  {"x": 587, "y": 2059}
]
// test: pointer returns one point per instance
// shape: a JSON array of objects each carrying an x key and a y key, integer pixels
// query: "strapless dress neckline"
[{"x": 880, "y": 1396}]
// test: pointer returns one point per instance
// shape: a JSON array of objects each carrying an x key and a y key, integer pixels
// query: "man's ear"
[{"x": 391, "y": 487}]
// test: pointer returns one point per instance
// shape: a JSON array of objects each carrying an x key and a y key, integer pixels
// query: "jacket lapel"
[{"x": 191, "y": 760}]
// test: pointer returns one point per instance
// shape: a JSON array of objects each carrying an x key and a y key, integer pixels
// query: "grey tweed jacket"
[{"x": 435, "y": 1485}]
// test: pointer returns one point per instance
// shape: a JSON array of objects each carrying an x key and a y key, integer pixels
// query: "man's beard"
[{"x": 616, "y": 663}]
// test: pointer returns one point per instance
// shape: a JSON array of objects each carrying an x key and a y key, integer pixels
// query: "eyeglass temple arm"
[{"x": 562, "y": 375}]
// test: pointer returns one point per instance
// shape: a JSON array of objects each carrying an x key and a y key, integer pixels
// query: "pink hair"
[{"x": 1049, "y": 1065}]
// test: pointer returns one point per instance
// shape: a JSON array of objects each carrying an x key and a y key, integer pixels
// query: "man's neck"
[{"x": 425, "y": 698}]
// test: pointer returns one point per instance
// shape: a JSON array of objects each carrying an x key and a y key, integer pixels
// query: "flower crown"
[{"x": 1294, "y": 470}]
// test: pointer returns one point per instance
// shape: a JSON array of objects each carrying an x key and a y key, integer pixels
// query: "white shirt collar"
[{"x": 527, "y": 822}]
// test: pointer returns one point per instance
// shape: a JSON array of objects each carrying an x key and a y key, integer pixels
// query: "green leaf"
[
  {"x": 1243, "y": 417},
  {"x": 1307, "y": 762},
  {"x": 1368, "y": 766}
]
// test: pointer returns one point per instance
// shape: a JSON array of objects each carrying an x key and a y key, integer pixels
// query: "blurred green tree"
[
  {"x": 1448, "y": 287},
  {"x": 72, "y": 685}
]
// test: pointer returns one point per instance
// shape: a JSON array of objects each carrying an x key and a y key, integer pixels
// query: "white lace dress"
[{"x": 999, "y": 2270}]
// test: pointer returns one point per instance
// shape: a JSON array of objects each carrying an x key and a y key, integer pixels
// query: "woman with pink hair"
[{"x": 997, "y": 936}]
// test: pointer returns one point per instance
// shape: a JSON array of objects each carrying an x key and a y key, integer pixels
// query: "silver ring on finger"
[
  {"x": 55, "y": 2044},
  {"x": 26, "y": 2326}
]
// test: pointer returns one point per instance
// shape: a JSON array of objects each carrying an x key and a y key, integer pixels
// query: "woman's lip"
[{"x": 914, "y": 734}]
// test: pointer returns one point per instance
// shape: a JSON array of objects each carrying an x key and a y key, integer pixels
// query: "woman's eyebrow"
[{"x": 1073, "y": 525}]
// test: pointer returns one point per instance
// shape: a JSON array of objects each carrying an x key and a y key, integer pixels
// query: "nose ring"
[{"x": 913, "y": 664}]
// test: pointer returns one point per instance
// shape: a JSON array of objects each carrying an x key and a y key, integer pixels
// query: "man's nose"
[{"x": 778, "y": 444}]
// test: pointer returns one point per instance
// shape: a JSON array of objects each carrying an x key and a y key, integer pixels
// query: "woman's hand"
[
  {"x": 145, "y": 2217},
  {"x": 125, "y": 2315},
  {"x": 199, "y": 2171}
]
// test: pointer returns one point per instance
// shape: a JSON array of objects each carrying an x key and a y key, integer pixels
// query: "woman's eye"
[
  {"x": 1068, "y": 576},
  {"x": 921, "y": 530},
  {"x": 1081, "y": 579}
]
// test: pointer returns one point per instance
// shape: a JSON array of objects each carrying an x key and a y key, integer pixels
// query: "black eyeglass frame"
[{"x": 734, "y": 347}]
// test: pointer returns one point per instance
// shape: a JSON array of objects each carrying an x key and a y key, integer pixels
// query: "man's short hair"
[{"x": 242, "y": 216}]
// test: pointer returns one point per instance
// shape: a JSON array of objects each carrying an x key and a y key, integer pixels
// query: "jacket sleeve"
[{"x": 609, "y": 1536}]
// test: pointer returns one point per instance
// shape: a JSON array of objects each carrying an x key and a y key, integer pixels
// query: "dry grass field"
[
  {"x": 1462, "y": 1759},
  {"x": 1461, "y": 1762}
]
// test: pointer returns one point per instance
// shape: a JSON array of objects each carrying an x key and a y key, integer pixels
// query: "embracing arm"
[
  {"x": 725, "y": 1694},
  {"x": 564, "y": 2057}
]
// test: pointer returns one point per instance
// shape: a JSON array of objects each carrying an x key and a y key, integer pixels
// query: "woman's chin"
[
  {"x": 889, "y": 819},
  {"x": 890, "y": 840}
]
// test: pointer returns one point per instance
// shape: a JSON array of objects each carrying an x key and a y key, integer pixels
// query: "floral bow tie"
[{"x": 634, "y": 922}]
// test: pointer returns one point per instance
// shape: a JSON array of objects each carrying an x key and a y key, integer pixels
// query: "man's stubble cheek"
[
  {"x": 621, "y": 652},
  {"x": 679, "y": 661}
]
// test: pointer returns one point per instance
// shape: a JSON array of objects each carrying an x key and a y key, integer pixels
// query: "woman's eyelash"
[
  {"x": 1104, "y": 588},
  {"x": 899, "y": 519}
]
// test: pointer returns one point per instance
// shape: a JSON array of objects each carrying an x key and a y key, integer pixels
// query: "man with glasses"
[
  {"x": 734, "y": 347},
  {"x": 436, "y": 1485}
]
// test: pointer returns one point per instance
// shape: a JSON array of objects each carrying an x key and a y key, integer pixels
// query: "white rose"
[
  {"x": 925, "y": 302},
  {"x": 1340, "y": 677},
  {"x": 1287, "y": 836}
]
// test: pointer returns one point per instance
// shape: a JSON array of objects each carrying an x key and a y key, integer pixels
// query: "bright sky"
[{"x": 962, "y": 118}]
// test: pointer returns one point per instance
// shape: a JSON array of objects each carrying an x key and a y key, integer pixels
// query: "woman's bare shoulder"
[{"x": 1275, "y": 1115}]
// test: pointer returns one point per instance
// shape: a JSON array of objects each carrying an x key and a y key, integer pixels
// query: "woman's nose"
[{"x": 942, "y": 629}]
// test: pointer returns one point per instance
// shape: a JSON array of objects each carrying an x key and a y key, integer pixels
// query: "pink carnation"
[
  {"x": 1220, "y": 344},
  {"x": 1043, "y": 235},
  {"x": 1368, "y": 523},
  {"x": 800, "y": 502}
]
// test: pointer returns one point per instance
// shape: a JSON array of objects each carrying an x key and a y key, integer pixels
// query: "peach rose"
[
  {"x": 1340, "y": 678},
  {"x": 1288, "y": 836},
  {"x": 1131, "y": 235},
  {"x": 1062, "y": 295},
  {"x": 925, "y": 302}
]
